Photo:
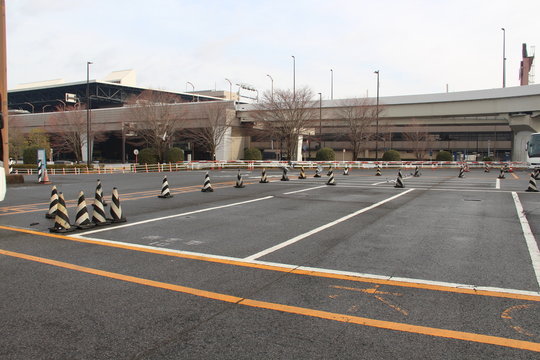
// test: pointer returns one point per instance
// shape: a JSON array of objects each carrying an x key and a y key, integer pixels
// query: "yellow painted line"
[
  {"x": 314, "y": 273},
  {"x": 515, "y": 176},
  {"x": 21, "y": 209},
  {"x": 388, "y": 325}
]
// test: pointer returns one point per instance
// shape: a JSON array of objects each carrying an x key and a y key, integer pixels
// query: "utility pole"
[{"x": 4, "y": 149}]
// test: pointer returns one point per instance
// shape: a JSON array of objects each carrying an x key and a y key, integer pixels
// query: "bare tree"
[
  {"x": 70, "y": 131},
  {"x": 360, "y": 117},
  {"x": 418, "y": 137},
  {"x": 211, "y": 134},
  {"x": 285, "y": 115},
  {"x": 156, "y": 118},
  {"x": 17, "y": 141}
]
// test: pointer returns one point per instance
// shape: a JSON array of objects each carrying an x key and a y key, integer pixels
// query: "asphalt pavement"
[{"x": 443, "y": 268}]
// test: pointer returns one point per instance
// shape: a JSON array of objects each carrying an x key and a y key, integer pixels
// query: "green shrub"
[
  {"x": 326, "y": 154},
  {"x": 391, "y": 155},
  {"x": 148, "y": 156},
  {"x": 174, "y": 154},
  {"x": 487, "y": 158},
  {"x": 30, "y": 155},
  {"x": 252, "y": 154},
  {"x": 444, "y": 156}
]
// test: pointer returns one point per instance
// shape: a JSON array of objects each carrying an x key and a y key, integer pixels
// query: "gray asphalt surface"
[{"x": 188, "y": 291}]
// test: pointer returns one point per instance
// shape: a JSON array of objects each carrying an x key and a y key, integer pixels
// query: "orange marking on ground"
[
  {"x": 285, "y": 269},
  {"x": 388, "y": 325}
]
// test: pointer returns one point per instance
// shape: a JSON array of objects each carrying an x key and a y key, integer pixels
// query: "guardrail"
[{"x": 251, "y": 165}]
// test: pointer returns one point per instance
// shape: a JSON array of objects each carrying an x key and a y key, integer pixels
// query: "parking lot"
[{"x": 445, "y": 267}]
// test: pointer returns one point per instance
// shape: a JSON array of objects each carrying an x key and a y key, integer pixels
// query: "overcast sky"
[{"x": 418, "y": 46}]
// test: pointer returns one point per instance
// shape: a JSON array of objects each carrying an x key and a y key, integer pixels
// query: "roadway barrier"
[{"x": 272, "y": 164}]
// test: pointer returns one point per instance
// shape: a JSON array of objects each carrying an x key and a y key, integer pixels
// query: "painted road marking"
[
  {"x": 304, "y": 270},
  {"x": 497, "y": 183},
  {"x": 323, "y": 227},
  {"x": 388, "y": 325},
  {"x": 176, "y": 215},
  {"x": 297, "y": 191},
  {"x": 529, "y": 237}
]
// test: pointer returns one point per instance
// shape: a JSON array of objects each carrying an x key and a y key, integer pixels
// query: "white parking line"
[
  {"x": 529, "y": 237},
  {"x": 497, "y": 184},
  {"x": 174, "y": 216},
  {"x": 323, "y": 227},
  {"x": 204, "y": 256},
  {"x": 297, "y": 191}
]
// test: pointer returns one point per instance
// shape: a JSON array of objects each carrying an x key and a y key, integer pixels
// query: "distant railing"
[{"x": 250, "y": 165}]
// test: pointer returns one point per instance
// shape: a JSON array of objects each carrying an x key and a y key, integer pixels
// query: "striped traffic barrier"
[
  {"x": 239, "y": 181},
  {"x": 61, "y": 220},
  {"x": 165, "y": 191},
  {"x": 82, "y": 220},
  {"x": 98, "y": 215},
  {"x": 399, "y": 180},
  {"x": 116, "y": 209},
  {"x": 264, "y": 178},
  {"x": 99, "y": 191},
  {"x": 53, "y": 204},
  {"x": 207, "y": 187},
  {"x": 331, "y": 180}
]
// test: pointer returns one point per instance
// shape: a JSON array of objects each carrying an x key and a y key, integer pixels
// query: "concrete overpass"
[{"x": 514, "y": 110}]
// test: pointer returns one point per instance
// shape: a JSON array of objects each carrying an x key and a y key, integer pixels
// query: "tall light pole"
[
  {"x": 230, "y": 88},
  {"x": 331, "y": 84},
  {"x": 504, "y": 57},
  {"x": 320, "y": 121},
  {"x": 88, "y": 105},
  {"x": 377, "y": 121},
  {"x": 294, "y": 77},
  {"x": 272, "y": 86},
  {"x": 192, "y": 86}
]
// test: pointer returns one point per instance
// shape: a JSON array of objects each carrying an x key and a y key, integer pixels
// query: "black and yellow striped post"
[
  {"x": 61, "y": 221},
  {"x": 378, "y": 171},
  {"x": 53, "y": 204},
  {"x": 345, "y": 171},
  {"x": 116, "y": 209},
  {"x": 318, "y": 171},
  {"x": 416, "y": 172},
  {"x": 501, "y": 174},
  {"x": 82, "y": 220},
  {"x": 165, "y": 191},
  {"x": 239, "y": 181},
  {"x": 399, "y": 180},
  {"x": 302, "y": 173},
  {"x": 264, "y": 178},
  {"x": 207, "y": 187},
  {"x": 486, "y": 168}
]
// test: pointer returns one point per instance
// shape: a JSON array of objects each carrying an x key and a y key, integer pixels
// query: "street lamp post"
[
  {"x": 504, "y": 57},
  {"x": 331, "y": 84},
  {"x": 230, "y": 88},
  {"x": 320, "y": 121},
  {"x": 192, "y": 86},
  {"x": 377, "y": 121},
  {"x": 88, "y": 105},
  {"x": 272, "y": 86},
  {"x": 294, "y": 77}
]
